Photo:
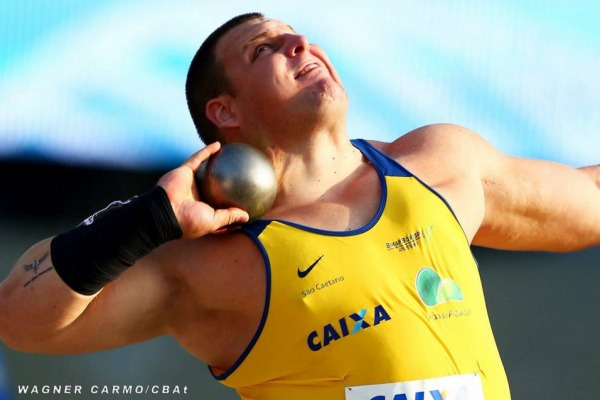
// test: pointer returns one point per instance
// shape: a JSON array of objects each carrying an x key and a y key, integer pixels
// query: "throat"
[
  {"x": 349, "y": 204},
  {"x": 334, "y": 217}
]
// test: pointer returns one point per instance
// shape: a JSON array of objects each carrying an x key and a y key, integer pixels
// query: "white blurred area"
[{"x": 102, "y": 83}]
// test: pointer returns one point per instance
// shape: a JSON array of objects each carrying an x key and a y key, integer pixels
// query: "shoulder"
[
  {"x": 462, "y": 152},
  {"x": 447, "y": 140},
  {"x": 216, "y": 270},
  {"x": 451, "y": 159},
  {"x": 217, "y": 296}
]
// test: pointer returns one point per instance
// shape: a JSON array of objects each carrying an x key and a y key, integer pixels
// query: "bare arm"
[
  {"x": 30, "y": 296},
  {"x": 538, "y": 205},
  {"x": 505, "y": 202},
  {"x": 593, "y": 172},
  {"x": 40, "y": 313}
]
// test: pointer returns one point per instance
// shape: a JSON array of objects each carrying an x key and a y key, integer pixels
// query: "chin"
[
  {"x": 323, "y": 96},
  {"x": 327, "y": 91}
]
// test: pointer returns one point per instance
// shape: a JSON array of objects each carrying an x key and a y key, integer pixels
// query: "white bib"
[{"x": 457, "y": 387}]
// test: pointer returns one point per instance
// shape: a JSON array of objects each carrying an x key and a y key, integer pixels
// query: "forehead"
[{"x": 239, "y": 38}]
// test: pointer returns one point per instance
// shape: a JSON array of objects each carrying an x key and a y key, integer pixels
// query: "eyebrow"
[{"x": 261, "y": 36}]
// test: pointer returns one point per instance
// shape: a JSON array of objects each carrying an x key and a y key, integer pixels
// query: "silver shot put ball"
[{"x": 238, "y": 175}]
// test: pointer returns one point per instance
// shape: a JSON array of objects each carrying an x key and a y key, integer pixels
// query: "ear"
[{"x": 221, "y": 112}]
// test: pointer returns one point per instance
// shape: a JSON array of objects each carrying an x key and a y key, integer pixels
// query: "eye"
[{"x": 260, "y": 49}]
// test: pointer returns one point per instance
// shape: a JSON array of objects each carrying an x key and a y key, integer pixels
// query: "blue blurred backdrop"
[{"x": 101, "y": 83}]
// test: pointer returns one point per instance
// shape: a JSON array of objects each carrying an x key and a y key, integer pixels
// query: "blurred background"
[{"x": 92, "y": 109}]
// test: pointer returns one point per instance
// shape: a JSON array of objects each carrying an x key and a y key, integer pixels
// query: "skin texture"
[{"x": 207, "y": 290}]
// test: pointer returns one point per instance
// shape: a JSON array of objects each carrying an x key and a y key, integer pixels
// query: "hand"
[{"x": 195, "y": 217}]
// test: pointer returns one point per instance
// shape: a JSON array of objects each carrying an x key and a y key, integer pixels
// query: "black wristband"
[{"x": 110, "y": 241}]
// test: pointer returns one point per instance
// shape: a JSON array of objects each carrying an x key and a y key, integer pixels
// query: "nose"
[{"x": 298, "y": 44}]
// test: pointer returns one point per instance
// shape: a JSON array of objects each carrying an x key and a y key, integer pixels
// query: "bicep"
[
  {"x": 505, "y": 202},
  {"x": 538, "y": 205}
]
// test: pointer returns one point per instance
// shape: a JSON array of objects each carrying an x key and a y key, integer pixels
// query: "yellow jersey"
[{"x": 392, "y": 311}]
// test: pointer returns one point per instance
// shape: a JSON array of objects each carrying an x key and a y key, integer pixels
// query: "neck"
[{"x": 313, "y": 169}]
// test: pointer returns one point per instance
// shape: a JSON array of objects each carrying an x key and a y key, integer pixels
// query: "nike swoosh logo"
[{"x": 302, "y": 274}]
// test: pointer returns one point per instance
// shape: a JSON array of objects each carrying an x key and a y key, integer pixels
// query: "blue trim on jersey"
[
  {"x": 255, "y": 228},
  {"x": 250, "y": 232},
  {"x": 394, "y": 168},
  {"x": 384, "y": 165},
  {"x": 381, "y": 161}
]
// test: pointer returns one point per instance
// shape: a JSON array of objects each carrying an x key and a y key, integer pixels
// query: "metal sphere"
[{"x": 238, "y": 176}]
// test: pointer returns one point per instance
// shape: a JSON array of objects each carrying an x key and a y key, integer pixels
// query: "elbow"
[
  {"x": 18, "y": 340},
  {"x": 8, "y": 334},
  {"x": 10, "y": 342},
  {"x": 15, "y": 332},
  {"x": 38, "y": 332}
]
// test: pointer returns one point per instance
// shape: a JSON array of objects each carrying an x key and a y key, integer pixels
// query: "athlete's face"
[{"x": 273, "y": 69}]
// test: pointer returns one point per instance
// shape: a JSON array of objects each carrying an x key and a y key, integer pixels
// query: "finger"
[
  {"x": 227, "y": 229},
  {"x": 230, "y": 216},
  {"x": 202, "y": 155}
]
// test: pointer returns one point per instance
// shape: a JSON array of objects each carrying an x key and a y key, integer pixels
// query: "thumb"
[
  {"x": 225, "y": 217},
  {"x": 194, "y": 161}
]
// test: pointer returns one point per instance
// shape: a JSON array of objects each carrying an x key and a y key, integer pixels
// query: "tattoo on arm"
[{"x": 35, "y": 267}]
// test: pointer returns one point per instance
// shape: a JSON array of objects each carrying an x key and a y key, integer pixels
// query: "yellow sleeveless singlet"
[{"x": 394, "y": 310}]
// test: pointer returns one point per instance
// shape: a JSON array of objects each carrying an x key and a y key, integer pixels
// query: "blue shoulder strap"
[
  {"x": 383, "y": 164},
  {"x": 381, "y": 161}
]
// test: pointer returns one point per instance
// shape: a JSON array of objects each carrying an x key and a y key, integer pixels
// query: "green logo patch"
[{"x": 434, "y": 290}]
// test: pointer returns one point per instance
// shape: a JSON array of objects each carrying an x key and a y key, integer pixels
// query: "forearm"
[
  {"x": 55, "y": 299},
  {"x": 35, "y": 303},
  {"x": 53, "y": 282}
]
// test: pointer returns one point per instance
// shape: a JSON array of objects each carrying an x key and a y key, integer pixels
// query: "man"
[{"x": 358, "y": 283}]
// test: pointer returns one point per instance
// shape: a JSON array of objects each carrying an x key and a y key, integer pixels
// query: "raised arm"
[
  {"x": 505, "y": 202},
  {"x": 538, "y": 205},
  {"x": 39, "y": 312}
]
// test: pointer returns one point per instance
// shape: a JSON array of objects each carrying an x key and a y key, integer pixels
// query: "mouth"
[{"x": 306, "y": 69}]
